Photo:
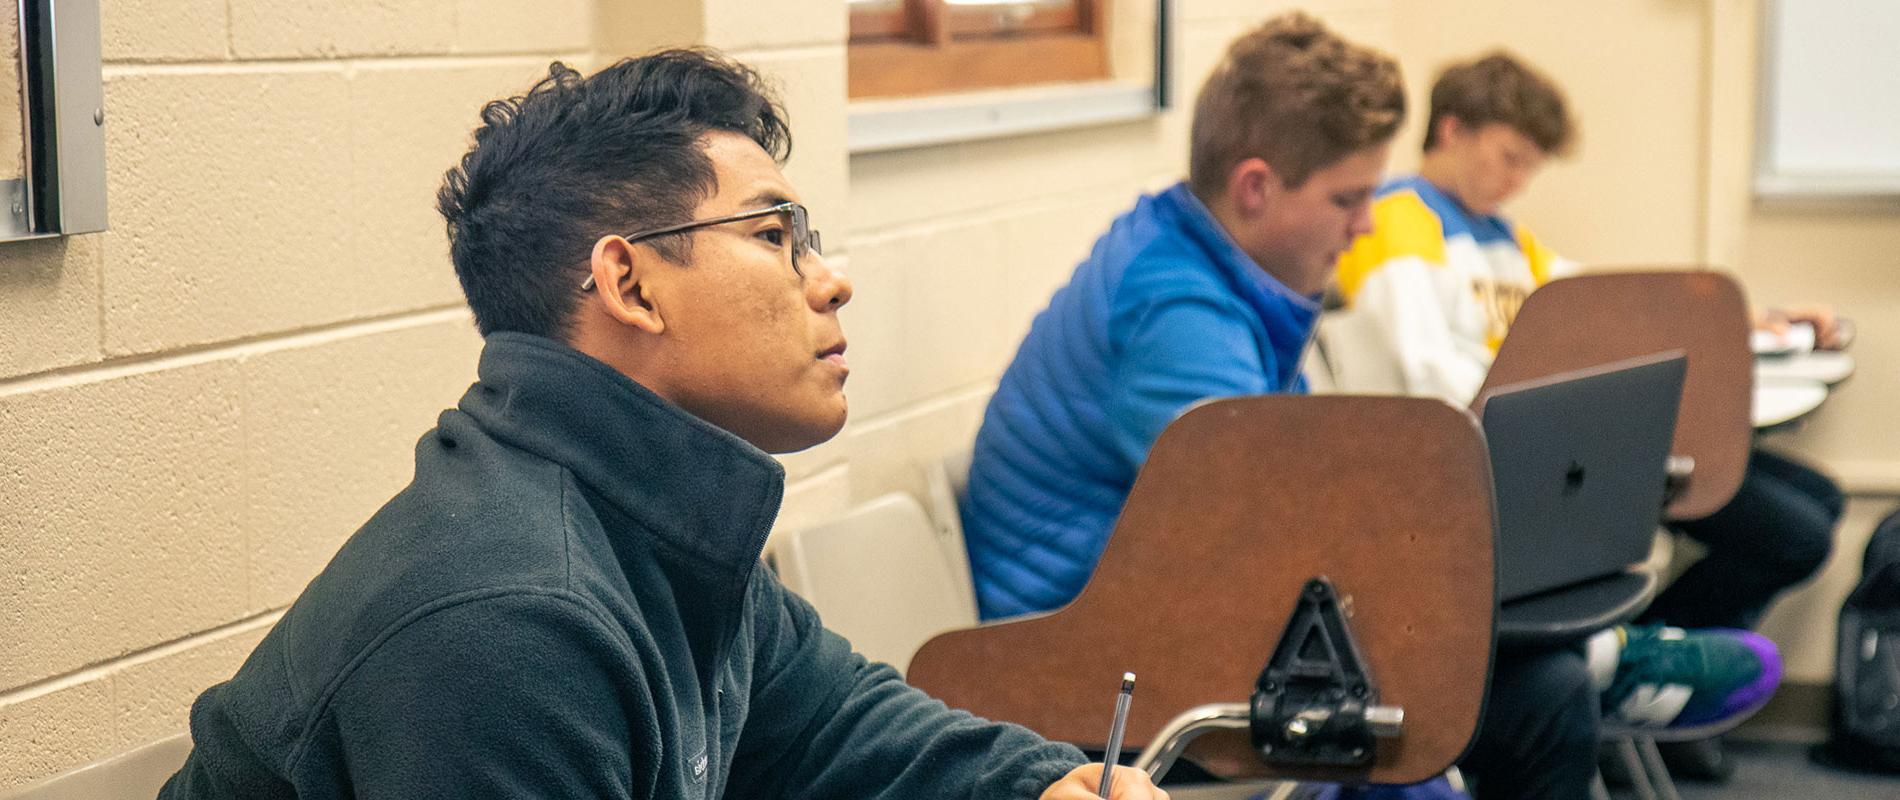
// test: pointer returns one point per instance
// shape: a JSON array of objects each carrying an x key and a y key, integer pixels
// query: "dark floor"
[
  {"x": 1780, "y": 770},
  {"x": 1764, "y": 770}
]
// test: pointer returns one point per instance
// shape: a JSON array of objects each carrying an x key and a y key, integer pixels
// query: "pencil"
[{"x": 1114, "y": 752}]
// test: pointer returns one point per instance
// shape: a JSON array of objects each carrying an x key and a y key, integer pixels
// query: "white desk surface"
[
  {"x": 1779, "y": 401},
  {"x": 1827, "y": 366}
]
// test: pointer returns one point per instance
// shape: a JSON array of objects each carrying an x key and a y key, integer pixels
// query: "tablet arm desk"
[
  {"x": 1581, "y": 322},
  {"x": 1288, "y": 554}
]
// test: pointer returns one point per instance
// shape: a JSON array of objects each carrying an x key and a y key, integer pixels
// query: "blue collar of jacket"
[
  {"x": 1288, "y": 315},
  {"x": 694, "y": 486}
]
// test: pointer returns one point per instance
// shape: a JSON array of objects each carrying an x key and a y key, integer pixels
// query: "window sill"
[{"x": 880, "y": 125}]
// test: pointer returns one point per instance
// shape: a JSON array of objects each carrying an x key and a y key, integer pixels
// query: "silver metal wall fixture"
[{"x": 62, "y": 100}]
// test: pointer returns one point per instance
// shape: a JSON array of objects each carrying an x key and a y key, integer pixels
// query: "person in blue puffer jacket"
[{"x": 1208, "y": 289}]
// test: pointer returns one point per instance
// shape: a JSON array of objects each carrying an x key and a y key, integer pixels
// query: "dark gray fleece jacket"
[{"x": 567, "y": 602}]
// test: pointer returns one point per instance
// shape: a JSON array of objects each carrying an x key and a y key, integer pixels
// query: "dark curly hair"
[
  {"x": 1296, "y": 95},
  {"x": 1501, "y": 88},
  {"x": 575, "y": 159}
]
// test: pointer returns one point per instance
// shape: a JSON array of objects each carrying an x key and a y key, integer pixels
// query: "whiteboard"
[{"x": 1829, "y": 115}]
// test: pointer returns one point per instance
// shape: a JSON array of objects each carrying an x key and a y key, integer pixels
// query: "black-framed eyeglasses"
[{"x": 804, "y": 239}]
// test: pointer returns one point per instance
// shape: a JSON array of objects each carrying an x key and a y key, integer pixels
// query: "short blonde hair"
[{"x": 1297, "y": 95}]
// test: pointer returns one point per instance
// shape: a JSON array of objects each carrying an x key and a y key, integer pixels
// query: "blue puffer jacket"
[{"x": 1166, "y": 311}]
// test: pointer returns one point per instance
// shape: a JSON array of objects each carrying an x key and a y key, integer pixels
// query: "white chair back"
[
  {"x": 878, "y": 577},
  {"x": 947, "y": 484},
  {"x": 1356, "y": 355},
  {"x": 137, "y": 773}
]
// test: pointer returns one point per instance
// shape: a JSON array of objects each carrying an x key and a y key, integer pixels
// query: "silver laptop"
[{"x": 1580, "y": 461}]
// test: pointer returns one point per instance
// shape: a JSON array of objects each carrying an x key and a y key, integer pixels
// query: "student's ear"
[
  {"x": 1250, "y": 184},
  {"x": 1449, "y": 127},
  {"x": 623, "y": 283}
]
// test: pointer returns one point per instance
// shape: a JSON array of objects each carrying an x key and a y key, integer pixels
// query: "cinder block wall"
[
  {"x": 953, "y": 249},
  {"x": 197, "y": 406}
]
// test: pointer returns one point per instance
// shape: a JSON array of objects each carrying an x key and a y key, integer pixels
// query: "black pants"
[
  {"x": 1775, "y": 533},
  {"x": 1538, "y": 737}
]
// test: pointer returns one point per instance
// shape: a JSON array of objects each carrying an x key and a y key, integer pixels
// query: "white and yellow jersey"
[{"x": 1441, "y": 285}]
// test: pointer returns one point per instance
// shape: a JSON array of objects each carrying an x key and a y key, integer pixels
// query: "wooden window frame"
[{"x": 929, "y": 47}]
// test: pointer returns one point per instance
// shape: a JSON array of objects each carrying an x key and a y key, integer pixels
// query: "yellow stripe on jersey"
[
  {"x": 1402, "y": 225},
  {"x": 1538, "y": 256}
]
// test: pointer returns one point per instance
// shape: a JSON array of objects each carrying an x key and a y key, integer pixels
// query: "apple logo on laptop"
[{"x": 1573, "y": 479}]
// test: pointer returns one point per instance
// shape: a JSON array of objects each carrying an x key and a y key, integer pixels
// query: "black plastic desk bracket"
[{"x": 1316, "y": 704}]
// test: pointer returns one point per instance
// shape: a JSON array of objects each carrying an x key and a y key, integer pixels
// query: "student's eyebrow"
[{"x": 766, "y": 197}]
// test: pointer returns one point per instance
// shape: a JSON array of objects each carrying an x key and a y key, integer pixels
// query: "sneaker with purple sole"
[{"x": 1674, "y": 678}]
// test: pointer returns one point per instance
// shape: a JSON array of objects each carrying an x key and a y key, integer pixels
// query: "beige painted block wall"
[
  {"x": 204, "y": 401},
  {"x": 1836, "y": 254},
  {"x": 251, "y": 350},
  {"x": 197, "y": 406},
  {"x": 1633, "y": 72},
  {"x": 954, "y": 248}
]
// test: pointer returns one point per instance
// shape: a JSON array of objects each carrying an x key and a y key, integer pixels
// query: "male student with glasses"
[{"x": 567, "y": 600}]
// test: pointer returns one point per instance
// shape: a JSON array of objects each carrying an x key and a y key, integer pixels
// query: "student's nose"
[
  {"x": 1514, "y": 182},
  {"x": 1361, "y": 222},
  {"x": 826, "y": 288}
]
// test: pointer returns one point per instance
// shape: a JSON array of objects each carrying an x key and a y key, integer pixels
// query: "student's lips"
[{"x": 834, "y": 356}]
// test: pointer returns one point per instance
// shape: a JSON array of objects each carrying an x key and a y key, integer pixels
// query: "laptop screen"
[{"x": 1580, "y": 462}]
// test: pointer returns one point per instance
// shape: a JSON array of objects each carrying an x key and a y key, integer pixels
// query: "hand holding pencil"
[
  {"x": 1080, "y": 784},
  {"x": 1114, "y": 783}
]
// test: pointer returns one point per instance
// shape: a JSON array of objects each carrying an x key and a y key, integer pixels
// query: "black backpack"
[{"x": 1865, "y": 726}]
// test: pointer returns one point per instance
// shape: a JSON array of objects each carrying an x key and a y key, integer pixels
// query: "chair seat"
[{"x": 1566, "y": 615}]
